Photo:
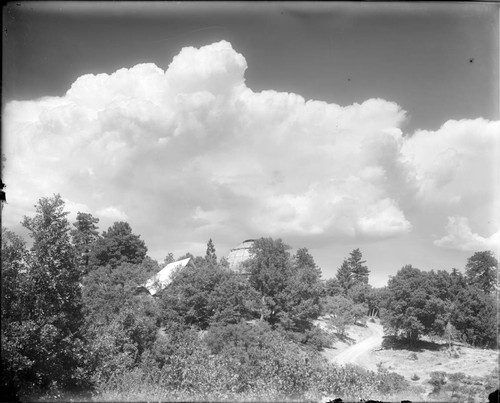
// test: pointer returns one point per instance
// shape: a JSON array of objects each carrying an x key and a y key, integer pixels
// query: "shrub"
[
  {"x": 389, "y": 383},
  {"x": 437, "y": 380},
  {"x": 314, "y": 338},
  {"x": 240, "y": 362}
]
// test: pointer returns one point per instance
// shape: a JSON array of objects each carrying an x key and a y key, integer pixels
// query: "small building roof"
[{"x": 163, "y": 278}]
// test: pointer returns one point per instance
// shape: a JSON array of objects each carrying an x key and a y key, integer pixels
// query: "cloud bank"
[
  {"x": 191, "y": 152},
  {"x": 460, "y": 236}
]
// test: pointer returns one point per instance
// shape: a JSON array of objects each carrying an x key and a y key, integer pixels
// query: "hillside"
[{"x": 368, "y": 348}]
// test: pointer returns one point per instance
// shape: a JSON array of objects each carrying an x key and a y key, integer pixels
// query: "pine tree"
[
  {"x": 481, "y": 271},
  {"x": 302, "y": 295},
  {"x": 210, "y": 256},
  {"x": 84, "y": 238},
  {"x": 353, "y": 271},
  {"x": 359, "y": 271},
  {"x": 344, "y": 276},
  {"x": 332, "y": 287}
]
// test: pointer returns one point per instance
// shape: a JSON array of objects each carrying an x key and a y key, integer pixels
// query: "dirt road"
[{"x": 354, "y": 354}]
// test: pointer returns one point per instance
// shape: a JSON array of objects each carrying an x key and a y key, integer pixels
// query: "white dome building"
[{"x": 240, "y": 254}]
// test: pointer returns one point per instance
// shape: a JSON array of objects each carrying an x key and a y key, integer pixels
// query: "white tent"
[{"x": 161, "y": 279}]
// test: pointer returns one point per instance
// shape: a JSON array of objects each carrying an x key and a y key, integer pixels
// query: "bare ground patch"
[{"x": 417, "y": 362}]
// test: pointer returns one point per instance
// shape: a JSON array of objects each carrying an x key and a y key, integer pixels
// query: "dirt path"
[{"x": 354, "y": 353}]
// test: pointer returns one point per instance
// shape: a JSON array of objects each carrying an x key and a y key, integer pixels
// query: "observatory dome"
[{"x": 240, "y": 254}]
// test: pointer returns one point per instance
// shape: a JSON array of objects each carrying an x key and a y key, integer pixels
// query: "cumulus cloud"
[
  {"x": 112, "y": 213},
  {"x": 454, "y": 172},
  {"x": 457, "y": 163},
  {"x": 460, "y": 236},
  {"x": 191, "y": 150}
]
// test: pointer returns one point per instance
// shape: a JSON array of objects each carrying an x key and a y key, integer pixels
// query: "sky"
[{"x": 332, "y": 126}]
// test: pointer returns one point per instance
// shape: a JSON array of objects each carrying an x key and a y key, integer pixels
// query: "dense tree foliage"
[
  {"x": 427, "y": 303},
  {"x": 361, "y": 293},
  {"x": 344, "y": 276},
  {"x": 210, "y": 255},
  {"x": 303, "y": 292},
  {"x": 53, "y": 335},
  {"x": 290, "y": 286},
  {"x": 244, "y": 362},
  {"x": 116, "y": 246},
  {"x": 84, "y": 235},
  {"x": 482, "y": 271},
  {"x": 408, "y": 309},
  {"x": 169, "y": 258},
  {"x": 121, "y": 323},
  {"x": 14, "y": 276},
  {"x": 474, "y": 316},
  {"x": 332, "y": 287},
  {"x": 107, "y": 292},
  {"x": 42, "y": 345},
  {"x": 353, "y": 272},
  {"x": 14, "y": 291},
  {"x": 359, "y": 271},
  {"x": 199, "y": 296},
  {"x": 269, "y": 271},
  {"x": 341, "y": 312},
  {"x": 348, "y": 296}
]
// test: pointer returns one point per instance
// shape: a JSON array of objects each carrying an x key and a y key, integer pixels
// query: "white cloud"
[
  {"x": 384, "y": 218},
  {"x": 73, "y": 208},
  {"x": 454, "y": 171},
  {"x": 457, "y": 163},
  {"x": 191, "y": 150},
  {"x": 112, "y": 213},
  {"x": 460, "y": 236},
  {"x": 216, "y": 69}
]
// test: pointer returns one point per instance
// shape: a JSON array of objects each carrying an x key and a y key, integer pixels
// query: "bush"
[
  {"x": 461, "y": 387},
  {"x": 389, "y": 383},
  {"x": 202, "y": 296},
  {"x": 240, "y": 362},
  {"x": 413, "y": 357},
  {"x": 314, "y": 338},
  {"x": 437, "y": 380}
]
